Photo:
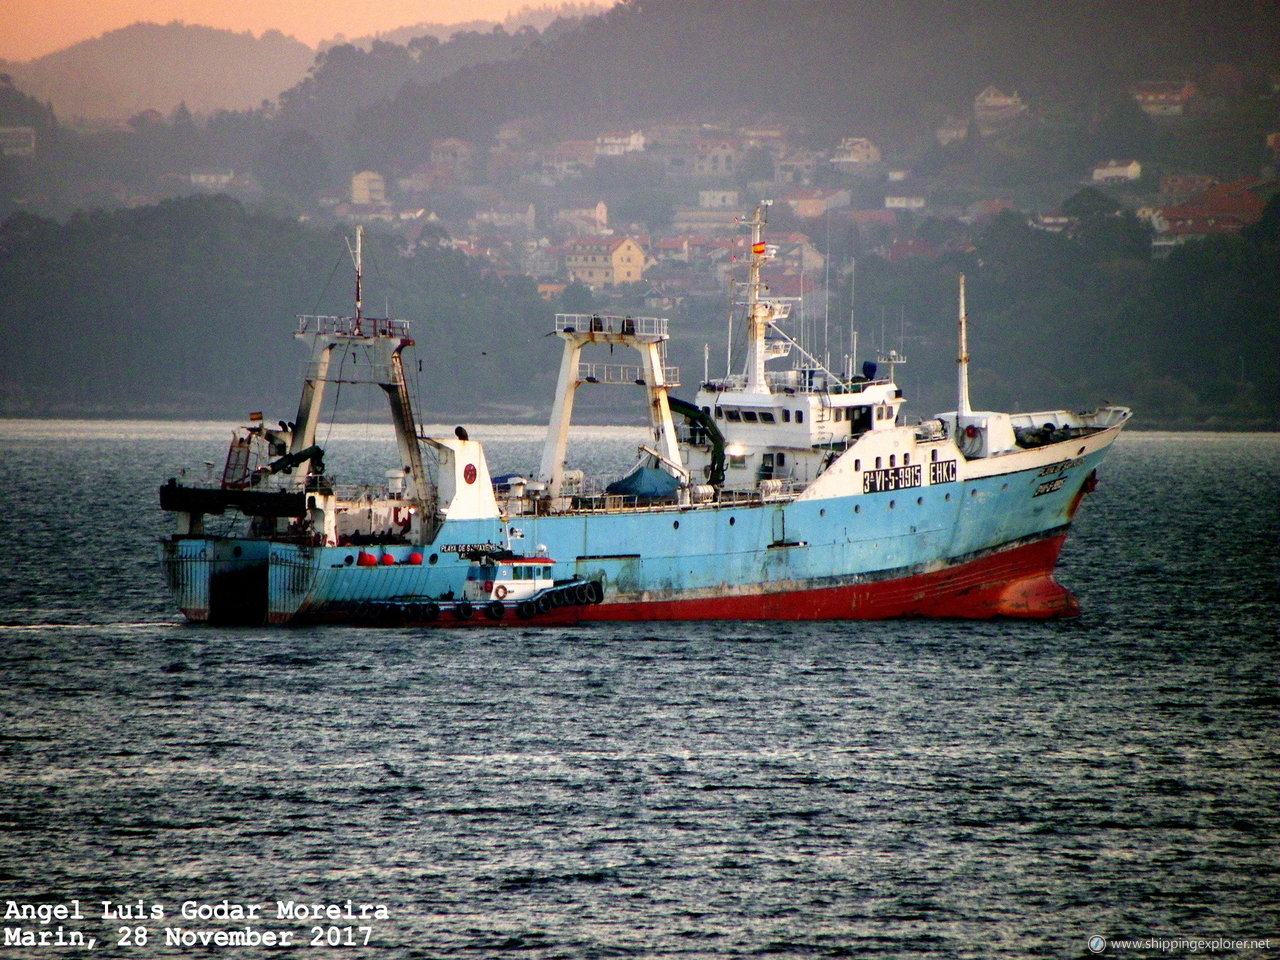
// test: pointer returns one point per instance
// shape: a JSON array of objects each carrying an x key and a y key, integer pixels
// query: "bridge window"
[
  {"x": 799, "y": 416},
  {"x": 766, "y": 416},
  {"x": 733, "y": 416},
  {"x": 786, "y": 416},
  {"x": 749, "y": 416}
]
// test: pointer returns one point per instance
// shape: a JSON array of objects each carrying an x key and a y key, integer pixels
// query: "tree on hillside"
[{"x": 293, "y": 165}]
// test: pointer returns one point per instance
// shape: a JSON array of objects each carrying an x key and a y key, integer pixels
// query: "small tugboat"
[
  {"x": 786, "y": 494},
  {"x": 501, "y": 580}
]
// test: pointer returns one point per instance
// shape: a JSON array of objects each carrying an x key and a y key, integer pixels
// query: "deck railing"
[
  {"x": 369, "y": 327},
  {"x": 651, "y": 327},
  {"x": 624, "y": 373}
]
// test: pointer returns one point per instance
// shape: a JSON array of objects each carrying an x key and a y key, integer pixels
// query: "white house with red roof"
[{"x": 1159, "y": 98}]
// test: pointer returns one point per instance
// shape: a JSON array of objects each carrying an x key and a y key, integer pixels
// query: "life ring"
[{"x": 500, "y": 591}]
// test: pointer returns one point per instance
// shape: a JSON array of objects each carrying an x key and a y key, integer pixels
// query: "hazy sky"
[{"x": 32, "y": 28}]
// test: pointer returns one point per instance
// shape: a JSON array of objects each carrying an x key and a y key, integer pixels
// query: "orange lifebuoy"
[{"x": 500, "y": 592}]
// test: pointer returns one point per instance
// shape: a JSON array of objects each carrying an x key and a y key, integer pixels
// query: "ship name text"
[{"x": 1062, "y": 466}]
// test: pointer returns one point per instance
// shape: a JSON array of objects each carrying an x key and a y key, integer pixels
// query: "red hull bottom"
[
  {"x": 1017, "y": 582},
  {"x": 1014, "y": 582}
]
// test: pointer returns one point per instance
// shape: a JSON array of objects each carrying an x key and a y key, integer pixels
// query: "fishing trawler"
[{"x": 784, "y": 494}]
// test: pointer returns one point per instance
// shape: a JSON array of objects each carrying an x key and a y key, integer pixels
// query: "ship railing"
[
  {"x": 1086, "y": 421},
  {"x": 650, "y": 327},
  {"x": 363, "y": 327},
  {"x": 624, "y": 373},
  {"x": 794, "y": 381},
  {"x": 590, "y": 495}
]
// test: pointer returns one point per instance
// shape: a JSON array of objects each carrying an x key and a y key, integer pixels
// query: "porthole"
[
  {"x": 433, "y": 559},
  {"x": 948, "y": 498},
  {"x": 892, "y": 504},
  {"x": 732, "y": 521},
  {"x": 857, "y": 508},
  {"x": 919, "y": 501},
  {"x": 348, "y": 560},
  {"x": 675, "y": 524},
  {"x": 822, "y": 512},
  {"x": 973, "y": 493}
]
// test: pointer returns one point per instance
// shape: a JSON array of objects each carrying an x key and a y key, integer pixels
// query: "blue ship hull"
[{"x": 983, "y": 546}]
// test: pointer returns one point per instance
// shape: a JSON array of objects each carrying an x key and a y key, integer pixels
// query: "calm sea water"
[{"x": 903, "y": 789}]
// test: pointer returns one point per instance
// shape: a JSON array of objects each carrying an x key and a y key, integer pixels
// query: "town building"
[
  {"x": 615, "y": 144},
  {"x": 1162, "y": 98},
  {"x": 604, "y": 261},
  {"x": 995, "y": 110},
  {"x": 1117, "y": 171},
  {"x": 368, "y": 187},
  {"x": 855, "y": 153}
]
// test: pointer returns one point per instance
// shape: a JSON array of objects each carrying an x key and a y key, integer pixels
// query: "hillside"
[
  {"x": 150, "y": 66},
  {"x": 185, "y": 308},
  {"x": 889, "y": 71},
  {"x": 537, "y": 18}
]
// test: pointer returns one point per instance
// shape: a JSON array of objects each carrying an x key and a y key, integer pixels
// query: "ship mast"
[
  {"x": 359, "y": 259},
  {"x": 369, "y": 352},
  {"x": 759, "y": 313},
  {"x": 962, "y": 360}
]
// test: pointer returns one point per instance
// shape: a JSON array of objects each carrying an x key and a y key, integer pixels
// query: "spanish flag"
[
  {"x": 255, "y": 417},
  {"x": 758, "y": 249}
]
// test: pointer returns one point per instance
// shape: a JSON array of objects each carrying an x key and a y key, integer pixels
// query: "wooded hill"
[
  {"x": 185, "y": 310},
  {"x": 890, "y": 71},
  {"x": 151, "y": 66}
]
